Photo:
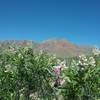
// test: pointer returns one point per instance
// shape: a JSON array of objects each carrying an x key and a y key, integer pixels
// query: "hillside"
[{"x": 62, "y": 48}]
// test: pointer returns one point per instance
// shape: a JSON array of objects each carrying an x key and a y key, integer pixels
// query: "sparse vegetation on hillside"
[{"x": 62, "y": 48}]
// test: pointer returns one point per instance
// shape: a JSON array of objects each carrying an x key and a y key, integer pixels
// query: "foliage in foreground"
[{"x": 25, "y": 75}]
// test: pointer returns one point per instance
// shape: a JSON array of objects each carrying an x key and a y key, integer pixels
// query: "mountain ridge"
[{"x": 62, "y": 47}]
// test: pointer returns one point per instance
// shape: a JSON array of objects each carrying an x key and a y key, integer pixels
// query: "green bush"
[
  {"x": 84, "y": 79},
  {"x": 27, "y": 75}
]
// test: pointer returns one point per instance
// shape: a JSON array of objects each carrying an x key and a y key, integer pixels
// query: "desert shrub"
[
  {"x": 84, "y": 78},
  {"x": 28, "y": 75},
  {"x": 24, "y": 73}
]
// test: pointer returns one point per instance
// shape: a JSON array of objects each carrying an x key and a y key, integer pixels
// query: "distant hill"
[{"x": 62, "y": 48}]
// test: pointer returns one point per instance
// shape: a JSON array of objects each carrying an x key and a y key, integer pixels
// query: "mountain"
[{"x": 62, "y": 48}]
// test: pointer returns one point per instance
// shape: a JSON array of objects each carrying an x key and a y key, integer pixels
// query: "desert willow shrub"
[
  {"x": 84, "y": 75},
  {"x": 25, "y": 75}
]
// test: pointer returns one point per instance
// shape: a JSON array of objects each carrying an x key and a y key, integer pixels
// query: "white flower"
[
  {"x": 63, "y": 64},
  {"x": 8, "y": 68},
  {"x": 20, "y": 55},
  {"x": 82, "y": 57},
  {"x": 92, "y": 61},
  {"x": 96, "y": 51},
  {"x": 80, "y": 63},
  {"x": 83, "y": 61},
  {"x": 85, "y": 64},
  {"x": 82, "y": 68},
  {"x": 6, "y": 71}
]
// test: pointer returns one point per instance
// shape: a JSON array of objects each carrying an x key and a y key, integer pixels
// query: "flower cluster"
[
  {"x": 91, "y": 61},
  {"x": 82, "y": 60},
  {"x": 85, "y": 62},
  {"x": 61, "y": 65},
  {"x": 96, "y": 51}
]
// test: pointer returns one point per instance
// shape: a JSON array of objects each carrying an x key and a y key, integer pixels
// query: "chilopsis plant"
[
  {"x": 84, "y": 73},
  {"x": 28, "y": 75}
]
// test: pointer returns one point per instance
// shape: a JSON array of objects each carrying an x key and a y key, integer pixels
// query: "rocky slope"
[{"x": 62, "y": 48}]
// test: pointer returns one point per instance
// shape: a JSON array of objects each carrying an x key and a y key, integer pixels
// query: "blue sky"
[{"x": 75, "y": 20}]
